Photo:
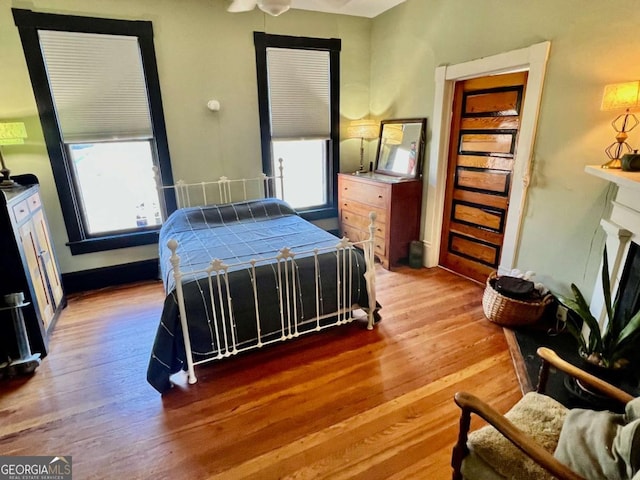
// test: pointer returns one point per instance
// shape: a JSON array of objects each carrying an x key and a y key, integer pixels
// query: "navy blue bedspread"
[{"x": 234, "y": 233}]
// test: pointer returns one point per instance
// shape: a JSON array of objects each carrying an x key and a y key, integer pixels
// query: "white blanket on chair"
[{"x": 601, "y": 445}]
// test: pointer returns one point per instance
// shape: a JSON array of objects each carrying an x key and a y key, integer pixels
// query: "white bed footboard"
[{"x": 222, "y": 304}]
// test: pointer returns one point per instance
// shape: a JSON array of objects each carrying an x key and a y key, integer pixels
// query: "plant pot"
[{"x": 611, "y": 374}]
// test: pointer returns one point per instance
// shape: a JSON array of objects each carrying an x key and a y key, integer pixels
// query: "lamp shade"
[
  {"x": 274, "y": 7},
  {"x": 364, "y": 128},
  {"x": 12, "y": 133},
  {"x": 392, "y": 134},
  {"x": 620, "y": 96}
]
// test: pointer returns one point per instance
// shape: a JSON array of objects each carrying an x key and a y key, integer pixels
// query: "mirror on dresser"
[
  {"x": 401, "y": 147},
  {"x": 393, "y": 191}
]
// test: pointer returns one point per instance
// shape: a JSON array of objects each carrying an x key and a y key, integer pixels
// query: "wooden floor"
[{"x": 344, "y": 403}]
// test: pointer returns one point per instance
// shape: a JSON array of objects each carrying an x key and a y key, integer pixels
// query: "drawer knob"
[{"x": 379, "y": 196}]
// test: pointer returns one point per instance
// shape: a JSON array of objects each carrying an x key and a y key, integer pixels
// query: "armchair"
[{"x": 526, "y": 437}]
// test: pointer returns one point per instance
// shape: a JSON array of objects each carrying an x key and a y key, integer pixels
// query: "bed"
[{"x": 241, "y": 275}]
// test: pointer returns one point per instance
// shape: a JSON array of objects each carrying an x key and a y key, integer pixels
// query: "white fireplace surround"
[{"x": 622, "y": 227}]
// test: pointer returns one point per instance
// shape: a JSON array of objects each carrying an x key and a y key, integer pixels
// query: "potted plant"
[{"x": 604, "y": 347}]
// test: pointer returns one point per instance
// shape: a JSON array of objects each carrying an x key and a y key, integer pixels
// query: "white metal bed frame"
[{"x": 288, "y": 284}]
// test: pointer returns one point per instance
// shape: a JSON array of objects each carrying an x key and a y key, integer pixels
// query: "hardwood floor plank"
[{"x": 343, "y": 403}]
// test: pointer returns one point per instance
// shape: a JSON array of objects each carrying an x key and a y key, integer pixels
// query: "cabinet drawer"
[
  {"x": 34, "y": 202},
  {"x": 369, "y": 193},
  {"x": 361, "y": 223},
  {"x": 356, "y": 235},
  {"x": 20, "y": 211}
]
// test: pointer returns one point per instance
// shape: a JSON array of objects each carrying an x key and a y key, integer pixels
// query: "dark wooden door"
[{"x": 484, "y": 133}]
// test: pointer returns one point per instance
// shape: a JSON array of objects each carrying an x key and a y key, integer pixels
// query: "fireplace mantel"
[
  {"x": 623, "y": 179},
  {"x": 621, "y": 227}
]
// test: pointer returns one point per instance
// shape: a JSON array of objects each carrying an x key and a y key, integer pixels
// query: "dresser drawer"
[
  {"x": 362, "y": 223},
  {"x": 20, "y": 211},
  {"x": 356, "y": 235},
  {"x": 369, "y": 193},
  {"x": 363, "y": 210},
  {"x": 34, "y": 202}
]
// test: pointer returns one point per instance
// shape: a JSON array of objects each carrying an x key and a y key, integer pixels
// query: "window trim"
[
  {"x": 263, "y": 40},
  {"x": 28, "y": 23}
]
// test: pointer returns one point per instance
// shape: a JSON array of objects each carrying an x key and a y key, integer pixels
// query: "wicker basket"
[{"x": 509, "y": 311}]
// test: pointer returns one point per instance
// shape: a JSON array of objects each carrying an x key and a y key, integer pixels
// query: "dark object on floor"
[
  {"x": 559, "y": 387},
  {"x": 415, "y": 254}
]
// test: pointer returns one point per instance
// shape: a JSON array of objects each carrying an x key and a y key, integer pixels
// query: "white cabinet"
[{"x": 29, "y": 265}]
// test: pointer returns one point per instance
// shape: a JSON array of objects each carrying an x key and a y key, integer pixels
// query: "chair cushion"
[
  {"x": 538, "y": 416},
  {"x": 602, "y": 444},
  {"x": 474, "y": 468}
]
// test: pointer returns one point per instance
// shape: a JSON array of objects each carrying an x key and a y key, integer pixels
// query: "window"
[
  {"x": 96, "y": 86},
  {"x": 298, "y": 93},
  {"x": 98, "y": 168},
  {"x": 302, "y": 160}
]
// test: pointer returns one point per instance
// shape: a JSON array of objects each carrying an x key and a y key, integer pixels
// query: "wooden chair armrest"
[
  {"x": 552, "y": 358},
  {"x": 469, "y": 403}
]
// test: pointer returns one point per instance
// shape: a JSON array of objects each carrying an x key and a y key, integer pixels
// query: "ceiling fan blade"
[
  {"x": 274, "y": 7},
  {"x": 241, "y": 6},
  {"x": 337, "y": 3}
]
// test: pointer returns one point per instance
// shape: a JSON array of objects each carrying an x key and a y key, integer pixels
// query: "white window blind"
[
  {"x": 299, "y": 93},
  {"x": 98, "y": 85}
]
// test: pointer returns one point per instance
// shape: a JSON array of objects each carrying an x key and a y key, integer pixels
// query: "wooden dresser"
[
  {"x": 29, "y": 266},
  {"x": 397, "y": 204}
]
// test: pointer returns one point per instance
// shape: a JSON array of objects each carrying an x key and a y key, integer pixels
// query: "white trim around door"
[{"x": 532, "y": 59}]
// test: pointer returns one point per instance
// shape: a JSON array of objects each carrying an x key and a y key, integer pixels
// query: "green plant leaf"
[
  {"x": 629, "y": 343},
  {"x": 595, "y": 335},
  {"x": 606, "y": 285},
  {"x": 577, "y": 334},
  {"x": 632, "y": 327}
]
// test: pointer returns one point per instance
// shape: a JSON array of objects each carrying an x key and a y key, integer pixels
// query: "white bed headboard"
[{"x": 225, "y": 190}]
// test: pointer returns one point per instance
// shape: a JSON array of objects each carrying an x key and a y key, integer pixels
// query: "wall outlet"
[{"x": 561, "y": 313}]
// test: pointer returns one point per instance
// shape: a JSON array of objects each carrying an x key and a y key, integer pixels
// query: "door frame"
[{"x": 532, "y": 59}]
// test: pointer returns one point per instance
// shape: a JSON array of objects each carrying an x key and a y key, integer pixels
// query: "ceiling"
[{"x": 359, "y": 8}]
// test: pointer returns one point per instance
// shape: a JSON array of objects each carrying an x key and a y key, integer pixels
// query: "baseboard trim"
[
  {"x": 96, "y": 278},
  {"x": 518, "y": 361}
]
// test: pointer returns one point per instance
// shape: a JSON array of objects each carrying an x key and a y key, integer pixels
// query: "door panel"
[
  {"x": 47, "y": 259},
  {"x": 32, "y": 255},
  {"x": 476, "y": 216},
  {"x": 497, "y": 102},
  {"x": 484, "y": 133},
  {"x": 472, "y": 142},
  {"x": 494, "y": 163},
  {"x": 474, "y": 249},
  {"x": 483, "y": 180}
]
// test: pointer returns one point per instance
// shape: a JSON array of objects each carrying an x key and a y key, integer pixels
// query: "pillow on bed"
[{"x": 600, "y": 445}]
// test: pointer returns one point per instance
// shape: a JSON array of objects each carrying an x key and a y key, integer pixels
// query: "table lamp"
[
  {"x": 620, "y": 96},
  {"x": 364, "y": 129},
  {"x": 10, "y": 134}
]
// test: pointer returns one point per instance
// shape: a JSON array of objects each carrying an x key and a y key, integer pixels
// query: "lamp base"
[
  {"x": 614, "y": 163},
  {"x": 8, "y": 183}
]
